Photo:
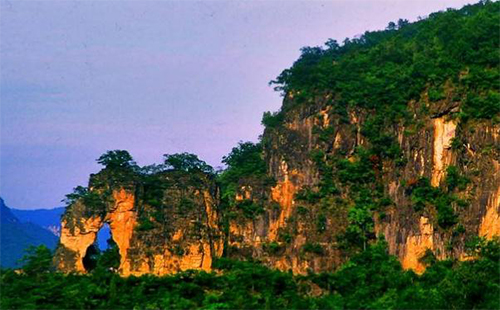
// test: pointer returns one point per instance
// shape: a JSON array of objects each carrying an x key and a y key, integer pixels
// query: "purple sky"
[{"x": 151, "y": 77}]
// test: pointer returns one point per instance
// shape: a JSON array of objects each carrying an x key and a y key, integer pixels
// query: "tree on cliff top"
[
  {"x": 245, "y": 160},
  {"x": 187, "y": 162},
  {"x": 117, "y": 159},
  {"x": 449, "y": 54}
]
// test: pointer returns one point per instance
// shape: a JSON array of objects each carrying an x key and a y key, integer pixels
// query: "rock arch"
[
  {"x": 180, "y": 233},
  {"x": 77, "y": 235}
]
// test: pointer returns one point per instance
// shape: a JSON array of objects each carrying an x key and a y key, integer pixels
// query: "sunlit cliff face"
[
  {"x": 490, "y": 223},
  {"x": 444, "y": 132},
  {"x": 427, "y": 153}
]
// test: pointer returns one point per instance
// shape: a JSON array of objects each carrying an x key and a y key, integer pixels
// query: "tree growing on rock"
[{"x": 117, "y": 159}]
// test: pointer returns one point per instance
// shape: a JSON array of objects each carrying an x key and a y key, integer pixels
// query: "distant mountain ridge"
[
  {"x": 16, "y": 236},
  {"x": 47, "y": 218}
]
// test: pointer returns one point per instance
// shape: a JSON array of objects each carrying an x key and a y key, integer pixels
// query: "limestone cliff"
[
  {"x": 307, "y": 231},
  {"x": 425, "y": 152}
]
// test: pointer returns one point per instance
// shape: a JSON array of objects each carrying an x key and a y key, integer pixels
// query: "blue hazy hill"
[
  {"x": 47, "y": 218},
  {"x": 51, "y": 219},
  {"x": 16, "y": 237}
]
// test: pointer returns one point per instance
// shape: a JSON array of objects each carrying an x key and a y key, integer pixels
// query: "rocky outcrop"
[{"x": 180, "y": 232}]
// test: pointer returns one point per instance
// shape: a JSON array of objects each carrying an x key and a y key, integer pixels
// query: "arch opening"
[
  {"x": 103, "y": 235},
  {"x": 103, "y": 254},
  {"x": 91, "y": 257}
]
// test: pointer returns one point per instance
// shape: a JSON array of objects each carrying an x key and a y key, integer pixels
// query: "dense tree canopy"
[
  {"x": 372, "y": 279},
  {"x": 452, "y": 53}
]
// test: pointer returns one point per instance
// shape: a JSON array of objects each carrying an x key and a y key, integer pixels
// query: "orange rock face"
[
  {"x": 79, "y": 240},
  {"x": 444, "y": 132},
  {"x": 277, "y": 234},
  {"x": 490, "y": 223},
  {"x": 283, "y": 193},
  {"x": 122, "y": 221},
  {"x": 417, "y": 245}
]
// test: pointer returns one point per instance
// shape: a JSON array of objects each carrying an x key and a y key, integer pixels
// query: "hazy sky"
[{"x": 151, "y": 77}]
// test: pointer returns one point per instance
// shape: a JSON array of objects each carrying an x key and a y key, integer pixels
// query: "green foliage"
[
  {"x": 116, "y": 159},
  {"x": 446, "y": 216},
  {"x": 372, "y": 279},
  {"x": 154, "y": 189},
  {"x": 178, "y": 250},
  {"x": 245, "y": 160},
  {"x": 326, "y": 184},
  {"x": 37, "y": 260},
  {"x": 383, "y": 144},
  {"x": 186, "y": 204},
  {"x": 250, "y": 208},
  {"x": 455, "y": 180},
  {"x": 423, "y": 194},
  {"x": 480, "y": 247},
  {"x": 273, "y": 248},
  {"x": 479, "y": 106},
  {"x": 436, "y": 93},
  {"x": 272, "y": 120},
  {"x": 151, "y": 183},
  {"x": 356, "y": 172},
  {"x": 308, "y": 195},
  {"x": 244, "y": 163},
  {"x": 428, "y": 258},
  {"x": 360, "y": 174},
  {"x": 301, "y": 210},
  {"x": 314, "y": 248},
  {"x": 187, "y": 162},
  {"x": 144, "y": 224},
  {"x": 109, "y": 259},
  {"x": 90, "y": 198},
  {"x": 360, "y": 228},
  {"x": 321, "y": 223},
  {"x": 97, "y": 261},
  {"x": 456, "y": 144},
  {"x": 384, "y": 70},
  {"x": 326, "y": 134},
  {"x": 285, "y": 237}
]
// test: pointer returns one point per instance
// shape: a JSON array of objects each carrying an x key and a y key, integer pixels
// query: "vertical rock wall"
[{"x": 434, "y": 142}]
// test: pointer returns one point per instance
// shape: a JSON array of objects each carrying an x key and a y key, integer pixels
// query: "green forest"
[
  {"x": 448, "y": 54},
  {"x": 372, "y": 279}
]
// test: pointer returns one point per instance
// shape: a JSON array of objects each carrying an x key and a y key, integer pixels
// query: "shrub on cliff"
[
  {"x": 187, "y": 162},
  {"x": 244, "y": 162}
]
